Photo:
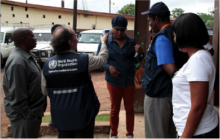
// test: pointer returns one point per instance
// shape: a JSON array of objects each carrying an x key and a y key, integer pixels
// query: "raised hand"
[{"x": 104, "y": 38}]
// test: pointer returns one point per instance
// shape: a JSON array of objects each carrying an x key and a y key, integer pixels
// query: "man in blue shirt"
[
  {"x": 160, "y": 65},
  {"x": 163, "y": 50}
]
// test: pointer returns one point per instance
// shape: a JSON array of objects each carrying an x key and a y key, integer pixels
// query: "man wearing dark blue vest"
[
  {"x": 67, "y": 81},
  {"x": 160, "y": 65}
]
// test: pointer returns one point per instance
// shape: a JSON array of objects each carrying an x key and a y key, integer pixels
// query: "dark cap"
[
  {"x": 54, "y": 27},
  {"x": 119, "y": 22},
  {"x": 158, "y": 9}
]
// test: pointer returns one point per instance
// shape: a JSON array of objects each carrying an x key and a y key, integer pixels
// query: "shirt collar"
[
  {"x": 168, "y": 24},
  {"x": 71, "y": 51},
  {"x": 111, "y": 39},
  {"x": 23, "y": 53}
]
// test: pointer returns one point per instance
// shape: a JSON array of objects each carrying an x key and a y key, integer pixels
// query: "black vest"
[
  {"x": 73, "y": 100},
  {"x": 155, "y": 81}
]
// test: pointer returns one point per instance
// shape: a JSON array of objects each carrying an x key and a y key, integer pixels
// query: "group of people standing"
[{"x": 178, "y": 80}]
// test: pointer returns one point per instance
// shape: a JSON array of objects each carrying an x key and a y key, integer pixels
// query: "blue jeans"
[{"x": 212, "y": 134}]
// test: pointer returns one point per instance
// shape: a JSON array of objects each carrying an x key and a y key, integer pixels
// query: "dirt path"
[{"x": 99, "y": 82}]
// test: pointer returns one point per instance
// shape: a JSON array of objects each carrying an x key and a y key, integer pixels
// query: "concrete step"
[
  {"x": 101, "y": 130},
  {"x": 55, "y": 136},
  {"x": 95, "y": 136}
]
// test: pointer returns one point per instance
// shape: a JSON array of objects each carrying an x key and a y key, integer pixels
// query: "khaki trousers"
[{"x": 158, "y": 113}]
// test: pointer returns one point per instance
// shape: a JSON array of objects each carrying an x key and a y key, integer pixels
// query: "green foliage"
[
  {"x": 138, "y": 108},
  {"x": 206, "y": 17},
  {"x": 177, "y": 11},
  {"x": 210, "y": 23},
  {"x": 102, "y": 117},
  {"x": 128, "y": 9}
]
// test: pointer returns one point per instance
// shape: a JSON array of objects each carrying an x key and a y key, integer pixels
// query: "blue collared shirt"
[{"x": 122, "y": 59}]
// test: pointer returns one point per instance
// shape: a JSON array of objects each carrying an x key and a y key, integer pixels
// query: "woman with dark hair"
[{"x": 194, "y": 115}]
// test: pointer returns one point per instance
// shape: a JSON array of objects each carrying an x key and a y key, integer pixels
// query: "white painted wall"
[{"x": 36, "y": 18}]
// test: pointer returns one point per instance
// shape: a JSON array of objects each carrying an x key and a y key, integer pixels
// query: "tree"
[
  {"x": 210, "y": 23},
  {"x": 206, "y": 17},
  {"x": 177, "y": 11},
  {"x": 128, "y": 9}
]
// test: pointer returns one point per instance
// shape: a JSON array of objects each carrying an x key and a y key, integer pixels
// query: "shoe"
[
  {"x": 50, "y": 123},
  {"x": 129, "y": 137},
  {"x": 114, "y": 137}
]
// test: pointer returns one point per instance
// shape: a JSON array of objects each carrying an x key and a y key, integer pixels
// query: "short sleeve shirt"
[
  {"x": 200, "y": 67},
  {"x": 163, "y": 49}
]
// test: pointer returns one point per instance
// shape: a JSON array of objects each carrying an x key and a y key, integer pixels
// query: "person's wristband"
[{"x": 103, "y": 42}]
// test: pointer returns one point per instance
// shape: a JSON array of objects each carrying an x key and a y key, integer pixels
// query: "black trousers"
[{"x": 87, "y": 132}]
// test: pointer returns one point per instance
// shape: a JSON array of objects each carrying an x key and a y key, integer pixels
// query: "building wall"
[{"x": 84, "y": 21}]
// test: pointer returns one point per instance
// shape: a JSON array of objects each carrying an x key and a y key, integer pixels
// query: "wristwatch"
[{"x": 103, "y": 42}]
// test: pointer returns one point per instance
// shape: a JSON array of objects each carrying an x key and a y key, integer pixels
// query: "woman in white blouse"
[{"x": 194, "y": 115}]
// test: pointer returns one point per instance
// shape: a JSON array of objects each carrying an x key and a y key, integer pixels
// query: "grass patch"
[
  {"x": 102, "y": 117},
  {"x": 46, "y": 118},
  {"x": 98, "y": 118}
]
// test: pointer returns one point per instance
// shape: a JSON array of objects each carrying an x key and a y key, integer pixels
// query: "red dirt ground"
[{"x": 99, "y": 82}]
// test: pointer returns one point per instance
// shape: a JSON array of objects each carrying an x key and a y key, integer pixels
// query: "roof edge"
[{"x": 62, "y": 9}]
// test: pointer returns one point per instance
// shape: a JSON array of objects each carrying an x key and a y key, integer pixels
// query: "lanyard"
[{"x": 168, "y": 24}]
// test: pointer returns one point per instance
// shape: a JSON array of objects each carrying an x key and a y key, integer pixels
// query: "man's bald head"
[
  {"x": 58, "y": 31},
  {"x": 61, "y": 37},
  {"x": 18, "y": 34},
  {"x": 61, "y": 29}
]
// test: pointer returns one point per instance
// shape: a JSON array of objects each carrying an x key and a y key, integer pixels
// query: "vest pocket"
[
  {"x": 146, "y": 80},
  {"x": 147, "y": 62}
]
